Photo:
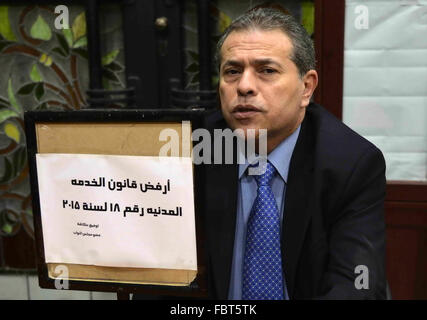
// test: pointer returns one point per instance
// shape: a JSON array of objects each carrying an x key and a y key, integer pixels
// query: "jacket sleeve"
[{"x": 356, "y": 261}]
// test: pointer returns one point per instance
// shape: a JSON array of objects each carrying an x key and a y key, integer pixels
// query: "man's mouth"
[{"x": 241, "y": 112}]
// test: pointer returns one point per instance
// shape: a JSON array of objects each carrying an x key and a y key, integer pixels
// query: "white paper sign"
[
  {"x": 385, "y": 96},
  {"x": 118, "y": 211}
]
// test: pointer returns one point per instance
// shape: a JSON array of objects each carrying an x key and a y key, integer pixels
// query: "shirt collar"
[{"x": 280, "y": 157}]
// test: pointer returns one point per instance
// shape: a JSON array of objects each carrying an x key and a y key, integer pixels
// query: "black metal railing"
[
  {"x": 111, "y": 98},
  {"x": 180, "y": 98},
  {"x": 145, "y": 92}
]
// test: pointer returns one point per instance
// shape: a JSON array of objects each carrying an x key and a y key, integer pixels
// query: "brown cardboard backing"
[{"x": 137, "y": 139}]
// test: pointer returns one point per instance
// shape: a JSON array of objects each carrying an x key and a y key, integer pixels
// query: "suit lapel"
[
  {"x": 296, "y": 213},
  {"x": 221, "y": 207}
]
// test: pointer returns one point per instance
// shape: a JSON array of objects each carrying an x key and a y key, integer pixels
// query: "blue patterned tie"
[{"x": 262, "y": 268}]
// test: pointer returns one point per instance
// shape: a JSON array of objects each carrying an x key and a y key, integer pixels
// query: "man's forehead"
[
  {"x": 254, "y": 36},
  {"x": 262, "y": 45},
  {"x": 254, "y": 61}
]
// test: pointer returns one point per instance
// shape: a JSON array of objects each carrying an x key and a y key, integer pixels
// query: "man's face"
[{"x": 260, "y": 87}]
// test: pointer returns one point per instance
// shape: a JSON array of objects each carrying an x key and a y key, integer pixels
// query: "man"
[{"x": 314, "y": 228}]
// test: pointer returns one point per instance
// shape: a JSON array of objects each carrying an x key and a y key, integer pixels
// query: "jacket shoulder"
[
  {"x": 334, "y": 140},
  {"x": 214, "y": 120}
]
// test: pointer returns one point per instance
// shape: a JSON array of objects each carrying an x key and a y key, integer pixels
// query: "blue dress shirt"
[{"x": 280, "y": 158}]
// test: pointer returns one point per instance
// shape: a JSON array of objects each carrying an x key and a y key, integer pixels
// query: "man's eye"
[
  {"x": 268, "y": 70},
  {"x": 231, "y": 71}
]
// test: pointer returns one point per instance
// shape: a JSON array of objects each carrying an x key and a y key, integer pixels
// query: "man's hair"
[{"x": 272, "y": 18}]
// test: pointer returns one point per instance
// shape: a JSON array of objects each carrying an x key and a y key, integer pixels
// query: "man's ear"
[{"x": 310, "y": 81}]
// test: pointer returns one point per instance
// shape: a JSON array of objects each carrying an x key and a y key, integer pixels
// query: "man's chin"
[
  {"x": 249, "y": 132},
  {"x": 244, "y": 128}
]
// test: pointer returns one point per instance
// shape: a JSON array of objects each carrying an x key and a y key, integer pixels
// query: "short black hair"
[{"x": 271, "y": 18}]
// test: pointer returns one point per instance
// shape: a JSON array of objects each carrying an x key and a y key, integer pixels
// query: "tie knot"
[{"x": 265, "y": 178}]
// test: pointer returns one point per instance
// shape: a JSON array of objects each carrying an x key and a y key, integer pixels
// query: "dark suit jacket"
[{"x": 333, "y": 218}]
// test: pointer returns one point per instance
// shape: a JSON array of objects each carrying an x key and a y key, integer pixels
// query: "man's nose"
[{"x": 247, "y": 84}]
